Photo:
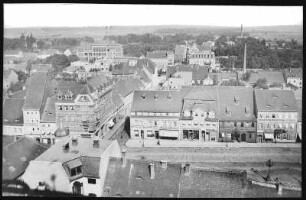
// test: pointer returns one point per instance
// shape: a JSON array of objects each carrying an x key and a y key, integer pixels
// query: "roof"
[
  {"x": 100, "y": 81},
  {"x": 123, "y": 69},
  {"x": 157, "y": 101},
  {"x": 17, "y": 155},
  {"x": 202, "y": 93},
  {"x": 12, "y": 111},
  {"x": 41, "y": 67},
  {"x": 294, "y": 72},
  {"x": 126, "y": 86},
  {"x": 147, "y": 63},
  {"x": 209, "y": 184},
  {"x": 84, "y": 147},
  {"x": 117, "y": 100},
  {"x": 133, "y": 180},
  {"x": 271, "y": 77},
  {"x": 49, "y": 111},
  {"x": 75, "y": 87},
  {"x": 35, "y": 91},
  {"x": 275, "y": 100},
  {"x": 198, "y": 72},
  {"x": 157, "y": 55},
  {"x": 242, "y": 109}
]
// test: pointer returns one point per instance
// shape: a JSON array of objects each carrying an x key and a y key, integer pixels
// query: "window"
[
  {"x": 75, "y": 171},
  {"x": 60, "y": 108},
  {"x": 250, "y": 135},
  {"x": 196, "y": 114},
  {"x": 150, "y": 133},
  {"x": 72, "y": 108},
  {"x": 253, "y": 124},
  {"x": 273, "y": 115},
  {"x": 242, "y": 124},
  {"x": 91, "y": 181},
  {"x": 136, "y": 133}
]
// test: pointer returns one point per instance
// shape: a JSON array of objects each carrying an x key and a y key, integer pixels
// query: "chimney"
[
  {"x": 65, "y": 147},
  {"x": 96, "y": 142},
  {"x": 187, "y": 169},
  {"x": 164, "y": 164},
  {"x": 123, "y": 157},
  {"x": 244, "y": 58},
  {"x": 74, "y": 141},
  {"x": 152, "y": 173}
]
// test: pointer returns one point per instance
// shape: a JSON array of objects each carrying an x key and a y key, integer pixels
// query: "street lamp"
[{"x": 269, "y": 163}]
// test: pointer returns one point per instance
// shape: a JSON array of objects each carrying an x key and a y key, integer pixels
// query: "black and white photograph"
[{"x": 152, "y": 100}]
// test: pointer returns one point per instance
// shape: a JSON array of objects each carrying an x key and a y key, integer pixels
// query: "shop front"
[{"x": 168, "y": 134}]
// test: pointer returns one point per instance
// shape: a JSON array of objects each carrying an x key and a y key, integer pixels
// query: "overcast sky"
[{"x": 72, "y": 15}]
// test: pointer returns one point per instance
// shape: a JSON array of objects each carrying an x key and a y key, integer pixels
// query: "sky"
[{"x": 78, "y": 15}]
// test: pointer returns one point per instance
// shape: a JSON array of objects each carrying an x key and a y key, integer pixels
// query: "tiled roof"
[
  {"x": 12, "y": 111},
  {"x": 202, "y": 93},
  {"x": 49, "y": 112},
  {"x": 75, "y": 87},
  {"x": 17, "y": 155},
  {"x": 242, "y": 110},
  {"x": 157, "y": 101},
  {"x": 84, "y": 147},
  {"x": 19, "y": 95},
  {"x": 271, "y": 77},
  {"x": 91, "y": 166},
  {"x": 117, "y": 100},
  {"x": 198, "y": 72},
  {"x": 100, "y": 81},
  {"x": 123, "y": 69},
  {"x": 209, "y": 184},
  {"x": 35, "y": 91},
  {"x": 143, "y": 76},
  {"x": 126, "y": 86},
  {"x": 157, "y": 55},
  {"x": 275, "y": 100},
  {"x": 147, "y": 63},
  {"x": 133, "y": 180}
]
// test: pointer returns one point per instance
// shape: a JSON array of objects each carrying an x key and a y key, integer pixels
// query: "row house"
[
  {"x": 276, "y": 109},
  {"x": 155, "y": 114},
  {"x": 73, "y": 165},
  {"x": 294, "y": 76},
  {"x": 199, "y": 115},
  {"x": 236, "y": 114}
]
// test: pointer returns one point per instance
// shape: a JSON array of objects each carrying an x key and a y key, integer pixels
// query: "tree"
[
  {"x": 261, "y": 83},
  {"x": 40, "y": 44},
  {"x": 22, "y": 77},
  {"x": 246, "y": 76},
  {"x": 73, "y": 58},
  {"x": 59, "y": 62}
]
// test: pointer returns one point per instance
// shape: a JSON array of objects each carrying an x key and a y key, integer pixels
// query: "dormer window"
[
  {"x": 187, "y": 113},
  {"x": 75, "y": 171}
]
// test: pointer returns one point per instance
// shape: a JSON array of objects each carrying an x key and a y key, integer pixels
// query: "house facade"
[
  {"x": 294, "y": 76},
  {"x": 276, "y": 109},
  {"x": 9, "y": 77},
  {"x": 201, "y": 55}
]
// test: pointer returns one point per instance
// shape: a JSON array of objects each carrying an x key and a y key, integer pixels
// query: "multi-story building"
[
  {"x": 294, "y": 76},
  {"x": 36, "y": 95},
  {"x": 276, "y": 109},
  {"x": 201, "y": 55},
  {"x": 155, "y": 114},
  {"x": 162, "y": 59},
  {"x": 72, "y": 165},
  {"x": 199, "y": 115},
  {"x": 236, "y": 114},
  {"x": 100, "y": 51},
  {"x": 180, "y": 53}
]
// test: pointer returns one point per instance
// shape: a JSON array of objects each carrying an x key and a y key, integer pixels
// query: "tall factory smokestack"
[{"x": 244, "y": 59}]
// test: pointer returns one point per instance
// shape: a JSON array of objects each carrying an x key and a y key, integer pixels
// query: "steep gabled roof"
[
  {"x": 126, "y": 86},
  {"x": 12, "y": 111}
]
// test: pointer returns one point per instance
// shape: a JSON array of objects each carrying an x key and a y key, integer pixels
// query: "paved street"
[{"x": 218, "y": 154}]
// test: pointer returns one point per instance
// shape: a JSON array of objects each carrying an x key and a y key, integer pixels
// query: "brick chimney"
[
  {"x": 74, "y": 141},
  {"x": 123, "y": 159},
  {"x": 187, "y": 169},
  {"x": 152, "y": 173},
  {"x": 164, "y": 164},
  {"x": 96, "y": 142}
]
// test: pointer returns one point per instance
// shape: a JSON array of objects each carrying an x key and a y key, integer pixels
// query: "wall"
[
  {"x": 88, "y": 188},
  {"x": 13, "y": 130}
]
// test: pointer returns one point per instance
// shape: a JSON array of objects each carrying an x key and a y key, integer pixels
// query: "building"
[
  {"x": 9, "y": 77},
  {"x": 140, "y": 178},
  {"x": 273, "y": 78},
  {"x": 199, "y": 115},
  {"x": 36, "y": 95},
  {"x": 276, "y": 109},
  {"x": 299, "y": 123},
  {"x": 17, "y": 156},
  {"x": 73, "y": 165},
  {"x": 294, "y": 76},
  {"x": 201, "y": 55},
  {"x": 236, "y": 114},
  {"x": 180, "y": 53},
  {"x": 12, "y": 115},
  {"x": 99, "y": 51},
  {"x": 178, "y": 80},
  {"x": 45, "y": 68},
  {"x": 161, "y": 58},
  {"x": 48, "y": 122},
  {"x": 125, "y": 89},
  {"x": 155, "y": 114}
]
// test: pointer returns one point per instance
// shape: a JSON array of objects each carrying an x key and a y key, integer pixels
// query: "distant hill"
[{"x": 268, "y": 32}]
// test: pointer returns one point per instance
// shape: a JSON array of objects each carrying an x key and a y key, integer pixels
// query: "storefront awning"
[
  {"x": 269, "y": 136},
  {"x": 168, "y": 133}
]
